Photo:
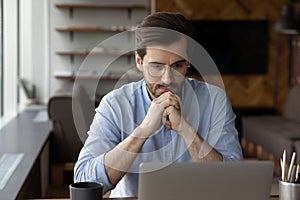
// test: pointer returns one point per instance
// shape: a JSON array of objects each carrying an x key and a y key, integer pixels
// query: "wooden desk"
[
  {"x": 272, "y": 198},
  {"x": 23, "y": 135}
]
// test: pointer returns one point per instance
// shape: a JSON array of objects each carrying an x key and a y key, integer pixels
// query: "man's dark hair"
[{"x": 164, "y": 21}]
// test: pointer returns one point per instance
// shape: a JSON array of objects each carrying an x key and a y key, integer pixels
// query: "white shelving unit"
[{"x": 80, "y": 41}]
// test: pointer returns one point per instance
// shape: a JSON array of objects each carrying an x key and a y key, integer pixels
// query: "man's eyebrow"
[
  {"x": 156, "y": 63},
  {"x": 159, "y": 63},
  {"x": 179, "y": 61}
]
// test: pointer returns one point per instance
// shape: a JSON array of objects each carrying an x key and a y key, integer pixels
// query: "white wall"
[
  {"x": 25, "y": 44},
  {"x": 40, "y": 48},
  {"x": 10, "y": 57},
  {"x": 34, "y": 46}
]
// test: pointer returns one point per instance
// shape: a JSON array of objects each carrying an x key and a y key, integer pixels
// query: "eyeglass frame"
[{"x": 151, "y": 66}]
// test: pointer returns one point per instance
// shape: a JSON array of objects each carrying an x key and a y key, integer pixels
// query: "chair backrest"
[
  {"x": 69, "y": 128},
  {"x": 83, "y": 110},
  {"x": 292, "y": 105}
]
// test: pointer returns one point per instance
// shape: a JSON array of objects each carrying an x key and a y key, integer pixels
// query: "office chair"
[{"x": 69, "y": 129}]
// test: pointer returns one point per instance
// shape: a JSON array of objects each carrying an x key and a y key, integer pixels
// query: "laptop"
[{"x": 246, "y": 180}]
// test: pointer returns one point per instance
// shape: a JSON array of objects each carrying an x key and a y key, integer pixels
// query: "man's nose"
[{"x": 167, "y": 77}]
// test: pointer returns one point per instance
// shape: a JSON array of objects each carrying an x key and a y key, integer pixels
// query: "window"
[
  {"x": 9, "y": 60},
  {"x": 1, "y": 61}
]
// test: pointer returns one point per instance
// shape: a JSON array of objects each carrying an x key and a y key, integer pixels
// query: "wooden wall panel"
[{"x": 245, "y": 90}]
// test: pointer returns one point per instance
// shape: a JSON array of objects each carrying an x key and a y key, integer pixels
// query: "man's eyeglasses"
[{"x": 158, "y": 69}]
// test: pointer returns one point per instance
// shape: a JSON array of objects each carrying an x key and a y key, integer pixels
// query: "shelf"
[
  {"x": 71, "y": 7},
  {"x": 72, "y": 54},
  {"x": 80, "y": 29},
  {"x": 93, "y": 75},
  {"x": 104, "y": 78},
  {"x": 93, "y": 6},
  {"x": 75, "y": 53},
  {"x": 93, "y": 53},
  {"x": 72, "y": 78},
  {"x": 87, "y": 29}
]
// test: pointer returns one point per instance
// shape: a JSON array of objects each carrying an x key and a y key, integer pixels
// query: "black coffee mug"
[{"x": 86, "y": 191}]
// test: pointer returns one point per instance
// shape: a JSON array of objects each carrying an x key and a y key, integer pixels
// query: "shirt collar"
[{"x": 145, "y": 93}]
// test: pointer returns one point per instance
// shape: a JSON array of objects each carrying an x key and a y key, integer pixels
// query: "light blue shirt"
[{"x": 204, "y": 106}]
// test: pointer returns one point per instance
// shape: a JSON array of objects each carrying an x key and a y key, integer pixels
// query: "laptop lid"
[{"x": 245, "y": 180}]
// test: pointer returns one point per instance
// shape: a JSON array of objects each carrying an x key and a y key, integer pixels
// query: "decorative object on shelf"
[
  {"x": 29, "y": 90},
  {"x": 287, "y": 23},
  {"x": 63, "y": 74}
]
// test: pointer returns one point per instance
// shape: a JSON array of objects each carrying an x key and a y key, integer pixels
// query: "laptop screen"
[{"x": 245, "y": 180}]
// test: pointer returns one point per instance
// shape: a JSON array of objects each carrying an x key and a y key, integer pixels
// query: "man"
[{"x": 164, "y": 118}]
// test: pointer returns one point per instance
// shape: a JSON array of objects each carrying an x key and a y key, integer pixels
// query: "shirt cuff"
[{"x": 102, "y": 176}]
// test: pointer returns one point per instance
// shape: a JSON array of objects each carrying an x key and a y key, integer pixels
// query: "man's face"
[{"x": 163, "y": 69}]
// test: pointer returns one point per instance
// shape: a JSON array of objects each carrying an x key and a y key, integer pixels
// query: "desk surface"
[
  {"x": 272, "y": 198},
  {"x": 22, "y": 135}
]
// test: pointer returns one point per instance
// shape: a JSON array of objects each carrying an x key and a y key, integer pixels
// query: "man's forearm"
[
  {"x": 198, "y": 148},
  {"x": 118, "y": 160}
]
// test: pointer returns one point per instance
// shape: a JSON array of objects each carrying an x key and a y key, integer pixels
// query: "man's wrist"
[
  {"x": 185, "y": 129},
  {"x": 141, "y": 132}
]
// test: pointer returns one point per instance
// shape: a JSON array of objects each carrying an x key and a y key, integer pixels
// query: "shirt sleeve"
[
  {"x": 223, "y": 135},
  {"x": 102, "y": 137}
]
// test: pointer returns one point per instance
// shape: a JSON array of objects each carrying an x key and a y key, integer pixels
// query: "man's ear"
[{"x": 139, "y": 62}]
